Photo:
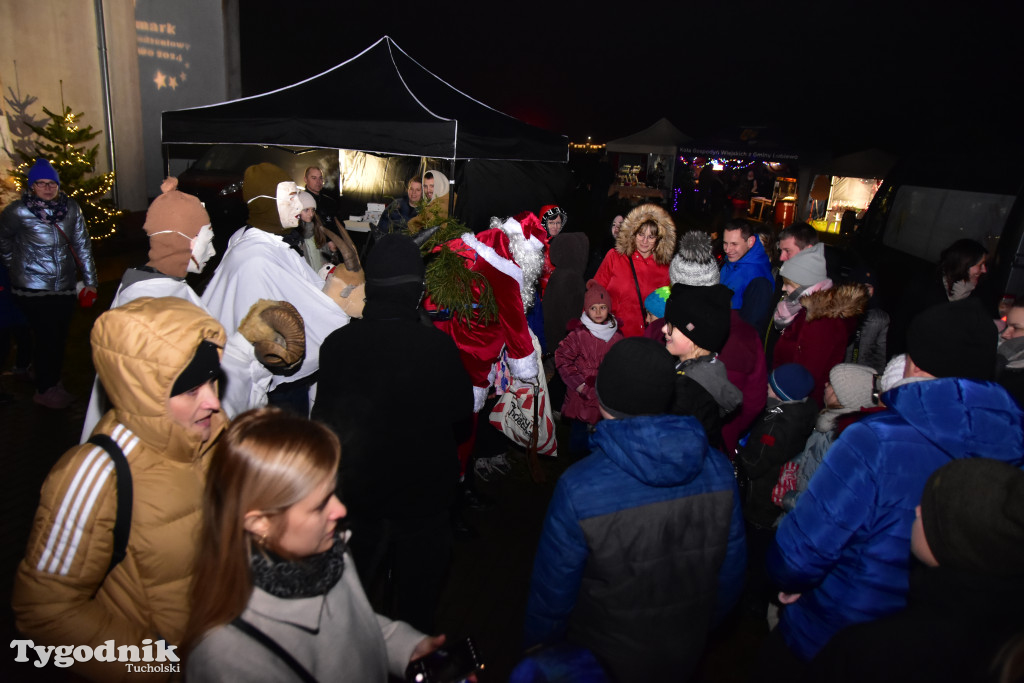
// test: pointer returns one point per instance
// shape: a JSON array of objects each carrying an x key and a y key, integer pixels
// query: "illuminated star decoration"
[
  {"x": 160, "y": 79},
  {"x": 172, "y": 83},
  {"x": 182, "y": 77}
]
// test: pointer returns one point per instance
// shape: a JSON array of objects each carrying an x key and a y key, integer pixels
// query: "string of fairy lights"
[{"x": 92, "y": 198}]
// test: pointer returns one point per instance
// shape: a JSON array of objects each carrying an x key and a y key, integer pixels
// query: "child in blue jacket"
[{"x": 642, "y": 550}]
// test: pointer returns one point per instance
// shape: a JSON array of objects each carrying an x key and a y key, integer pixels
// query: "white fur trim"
[
  {"x": 513, "y": 227},
  {"x": 488, "y": 254},
  {"x": 535, "y": 243},
  {"x": 479, "y": 396},
  {"x": 524, "y": 368}
]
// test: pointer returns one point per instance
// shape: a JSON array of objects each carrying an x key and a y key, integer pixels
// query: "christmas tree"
[
  {"x": 450, "y": 282},
  {"x": 63, "y": 143}
]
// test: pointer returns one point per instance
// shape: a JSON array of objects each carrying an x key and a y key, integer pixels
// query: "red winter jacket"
[
  {"x": 616, "y": 276},
  {"x": 817, "y": 337}
]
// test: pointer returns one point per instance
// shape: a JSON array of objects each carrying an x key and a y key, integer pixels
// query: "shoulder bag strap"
[
  {"x": 123, "y": 521},
  {"x": 636, "y": 283},
  {"x": 272, "y": 645},
  {"x": 78, "y": 261}
]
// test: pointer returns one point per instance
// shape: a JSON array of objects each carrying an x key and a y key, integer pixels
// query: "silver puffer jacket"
[{"x": 37, "y": 255}]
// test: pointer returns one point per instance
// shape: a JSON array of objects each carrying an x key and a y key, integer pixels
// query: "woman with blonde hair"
[
  {"x": 638, "y": 264},
  {"x": 276, "y": 596}
]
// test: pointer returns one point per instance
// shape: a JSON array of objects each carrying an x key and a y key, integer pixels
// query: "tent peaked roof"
[
  {"x": 660, "y": 138},
  {"x": 385, "y": 102}
]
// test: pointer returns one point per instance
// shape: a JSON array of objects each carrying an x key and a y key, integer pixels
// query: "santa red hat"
[
  {"x": 527, "y": 226},
  {"x": 532, "y": 229}
]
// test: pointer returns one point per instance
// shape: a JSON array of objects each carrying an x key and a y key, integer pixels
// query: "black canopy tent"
[{"x": 413, "y": 113}]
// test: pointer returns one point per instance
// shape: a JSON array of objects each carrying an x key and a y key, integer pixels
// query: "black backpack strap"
[
  {"x": 123, "y": 522},
  {"x": 272, "y": 645}
]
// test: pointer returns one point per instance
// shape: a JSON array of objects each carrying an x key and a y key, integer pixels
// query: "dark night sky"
[{"x": 873, "y": 74}]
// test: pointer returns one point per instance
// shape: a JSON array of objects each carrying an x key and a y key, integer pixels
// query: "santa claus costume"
[{"x": 509, "y": 256}]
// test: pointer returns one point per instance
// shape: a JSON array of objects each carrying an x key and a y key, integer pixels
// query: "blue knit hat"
[
  {"x": 42, "y": 170},
  {"x": 791, "y": 382},
  {"x": 655, "y": 301}
]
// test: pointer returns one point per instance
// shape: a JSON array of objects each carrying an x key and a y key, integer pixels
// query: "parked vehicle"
[{"x": 925, "y": 205}]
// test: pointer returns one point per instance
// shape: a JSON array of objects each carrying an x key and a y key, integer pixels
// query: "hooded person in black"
[
  {"x": 563, "y": 298},
  {"x": 394, "y": 391}
]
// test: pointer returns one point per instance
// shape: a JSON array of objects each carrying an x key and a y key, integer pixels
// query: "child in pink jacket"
[{"x": 578, "y": 357}]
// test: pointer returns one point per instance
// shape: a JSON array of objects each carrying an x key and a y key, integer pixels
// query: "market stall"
[
  {"x": 846, "y": 183},
  {"x": 646, "y": 160}
]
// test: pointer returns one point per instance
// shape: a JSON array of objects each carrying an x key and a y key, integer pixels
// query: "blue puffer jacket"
[
  {"x": 846, "y": 545},
  {"x": 752, "y": 265},
  {"x": 37, "y": 255},
  {"x": 642, "y": 549}
]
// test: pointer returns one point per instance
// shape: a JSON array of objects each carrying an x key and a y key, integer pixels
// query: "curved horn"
[
  {"x": 345, "y": 246},
  {"x": 424, "y": 235}
]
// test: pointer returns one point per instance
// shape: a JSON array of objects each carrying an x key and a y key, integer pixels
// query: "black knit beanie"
[
  {"x": 204, "y": 366},
  {"x": 973, "y": 516},
  {"x": 954, "y": 339},
  {"x": 701, "y": 313},
  {"x": 636, "y": 377},
  {"x": 395, "y": 260},
  {"x": 395, "y": 271}
]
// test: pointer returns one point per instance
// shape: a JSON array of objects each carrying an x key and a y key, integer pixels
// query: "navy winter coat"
[
  {"x": 846, "y": 545},
  {"x": 642, "y": 549}
]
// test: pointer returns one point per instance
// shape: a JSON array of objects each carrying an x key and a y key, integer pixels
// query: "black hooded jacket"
[
  {"x": 394, "y": 390},
  {"x": 563, "y": 298},
  {"x": 775, "y": 438}
]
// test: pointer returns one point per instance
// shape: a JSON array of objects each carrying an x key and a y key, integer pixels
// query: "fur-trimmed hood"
[
  {"x": 844, "y": 301},
  {"x": 664, "y": 249}
]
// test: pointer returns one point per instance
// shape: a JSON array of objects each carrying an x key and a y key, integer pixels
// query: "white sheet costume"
[{"x": 259, "y": 265}]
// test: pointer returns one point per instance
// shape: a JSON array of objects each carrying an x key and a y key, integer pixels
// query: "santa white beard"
[{"x": 531, "y": 260}]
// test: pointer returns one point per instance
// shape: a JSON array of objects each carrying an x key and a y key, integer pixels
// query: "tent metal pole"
[{"x": 451, "y": 190}]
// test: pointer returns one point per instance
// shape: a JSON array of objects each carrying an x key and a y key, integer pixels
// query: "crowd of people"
[{"x": 757, "y": 435}]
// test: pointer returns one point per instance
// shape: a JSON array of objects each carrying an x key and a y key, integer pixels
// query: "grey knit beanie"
[
  {"x": 854, "y": 385},
  {"x": 806, "y": 267},
  {"x": 694, "y": 264}
]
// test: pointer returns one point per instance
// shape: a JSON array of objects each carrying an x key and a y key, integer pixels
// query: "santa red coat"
[{"x": 488, "y": 254}]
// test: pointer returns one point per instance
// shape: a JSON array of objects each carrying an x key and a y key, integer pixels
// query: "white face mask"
[
  {"x": 201, "y": 246},
  {"x": 288, "y": 205},
  {"x": 202, "y": 250}
]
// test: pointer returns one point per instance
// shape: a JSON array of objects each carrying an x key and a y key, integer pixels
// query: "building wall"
[
  {"x": 187, "y": 57},
  {"x": 50, "y": 47}
]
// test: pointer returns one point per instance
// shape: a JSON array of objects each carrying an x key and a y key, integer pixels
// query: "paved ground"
[{"x": 489, "y": 581}]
